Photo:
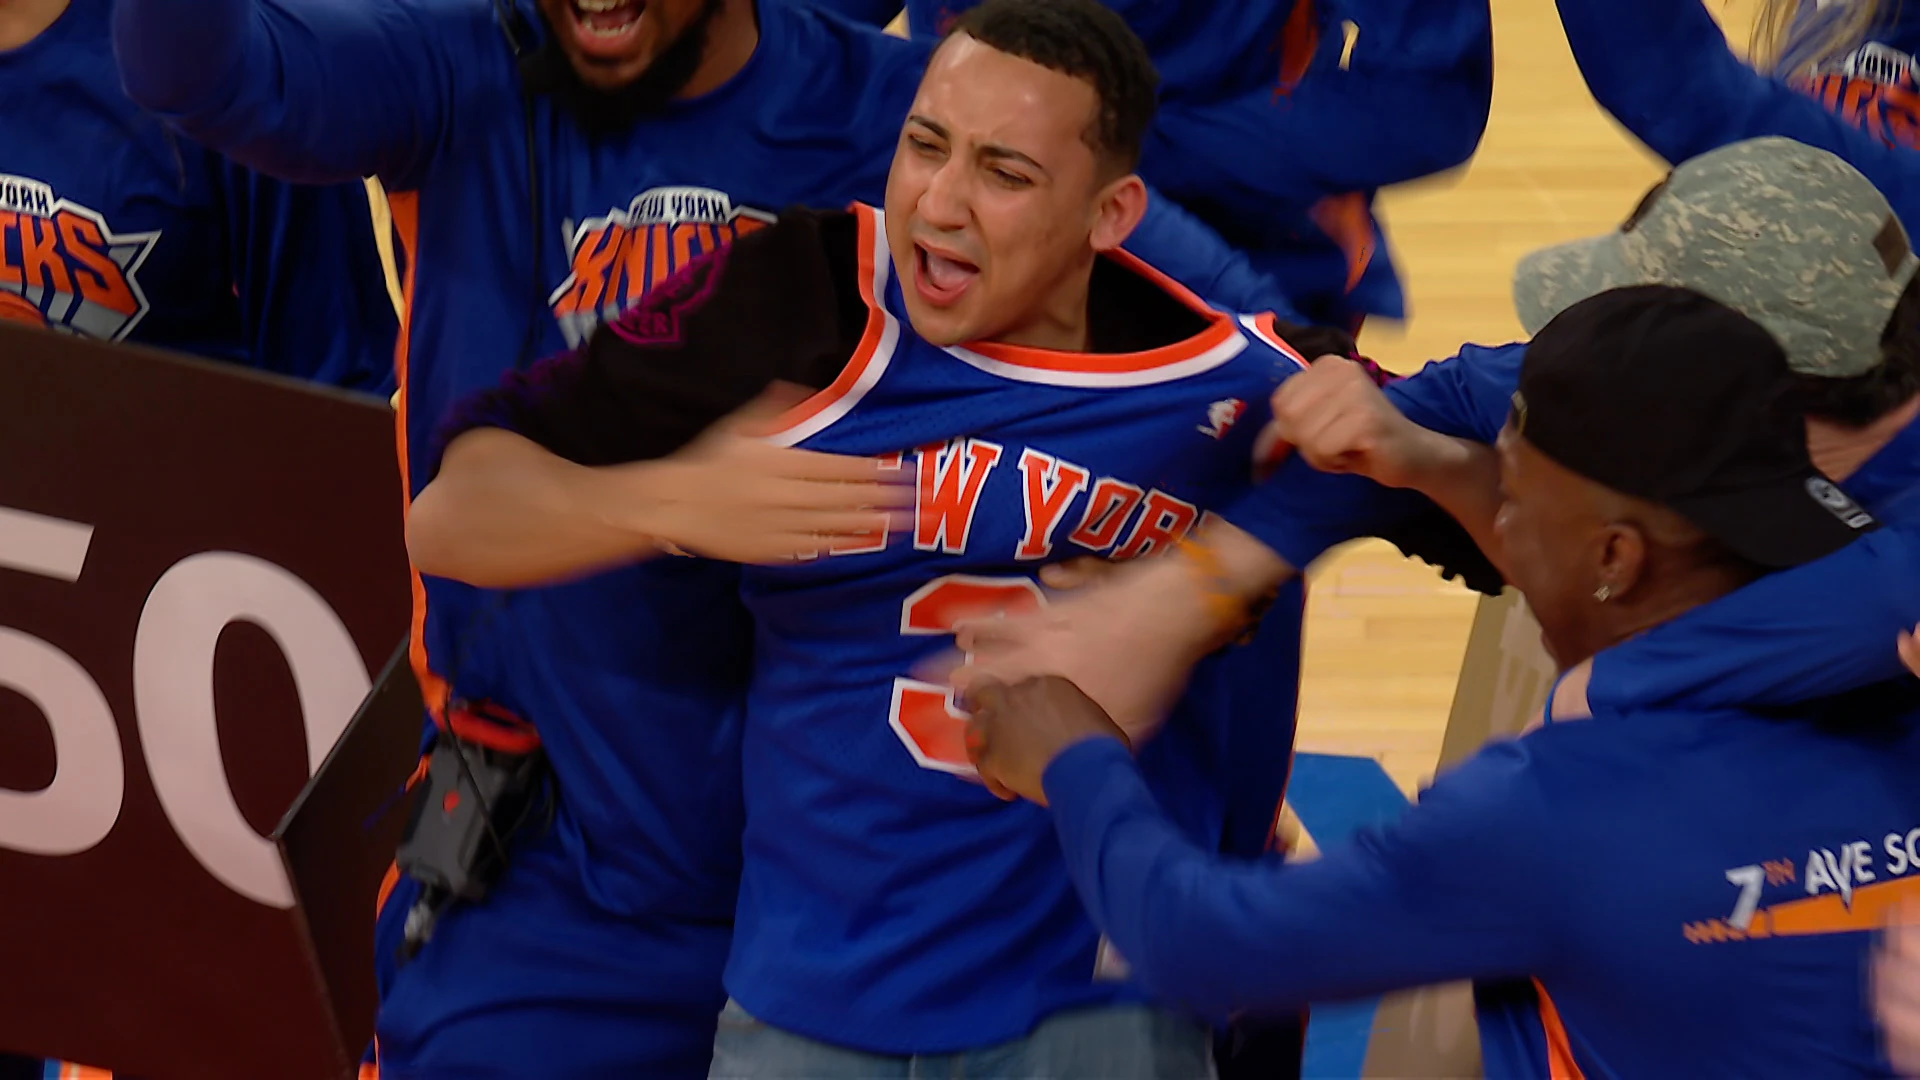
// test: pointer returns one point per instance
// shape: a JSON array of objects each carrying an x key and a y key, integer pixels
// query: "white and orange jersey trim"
[
  {"x": 1220, "y": 341},
  {"x": 870, "y": 357}
]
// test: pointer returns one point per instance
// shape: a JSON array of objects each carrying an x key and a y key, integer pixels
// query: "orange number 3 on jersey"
[{"x": 923, "y": 714}]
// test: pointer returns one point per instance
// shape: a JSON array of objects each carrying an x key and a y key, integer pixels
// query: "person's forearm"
[
  {"x": 1663, "y": 69},
  {"x": 505, "y": 513},
  {"x": 1249, "y": 569},
  {"x": 1405, "y": 96},
  {"x": 1823, "y": 628},
  {"x": 309, "y": 91},
  {"x": 1463, "y": 478},
  {"x": 1225, "y": 577},
  {"x": 1217, "y": 936}
]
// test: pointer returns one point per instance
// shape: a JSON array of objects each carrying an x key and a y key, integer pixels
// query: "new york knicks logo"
[
  {"x": 1875, "y": 89},
  {"x": 63, "y": 268},
  {"x": 617, "y": 259}
]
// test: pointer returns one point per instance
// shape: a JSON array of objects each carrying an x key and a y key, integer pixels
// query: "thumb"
[
  {"x": 1074, "y": 573},
  {"x": 1270, "y": 448}
]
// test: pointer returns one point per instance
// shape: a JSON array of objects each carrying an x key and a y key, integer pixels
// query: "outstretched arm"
[
  {"x": 1425, "y": 899},
  {"x": 1663, "y": 69},
  {"x": 1409, "y": 98},
  {"x": 311, "y": 90},
  {"x": 506, "y": 512},
  {"x": 1375, "y": 461}
]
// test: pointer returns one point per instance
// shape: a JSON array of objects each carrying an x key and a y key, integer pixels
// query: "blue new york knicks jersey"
[{"x": 890, "y": 903}]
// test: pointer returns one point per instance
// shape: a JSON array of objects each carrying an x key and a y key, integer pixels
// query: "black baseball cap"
[{"x": 1660, "y": 393}]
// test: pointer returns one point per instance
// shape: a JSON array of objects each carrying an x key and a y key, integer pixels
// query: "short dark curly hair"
[
  {"x": 1860, "y": 400},
  {"x": 1087, "y": 40}
]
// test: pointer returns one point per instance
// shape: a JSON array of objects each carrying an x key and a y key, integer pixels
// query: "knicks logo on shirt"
[
  {"x": 63, "y": 268},
  {"x": 617, "y": 259},
  {"x": 1873, "y": 88}
]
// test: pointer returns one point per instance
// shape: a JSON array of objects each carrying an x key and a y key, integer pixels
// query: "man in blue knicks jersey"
[
  {"x": 1693, "y": 890},
  {"x": 599, "y": 127},
  {"x": 1046, "y": 398}
]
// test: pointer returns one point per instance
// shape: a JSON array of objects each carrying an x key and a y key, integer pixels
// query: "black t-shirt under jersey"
[{"x": 784, "y": 305}]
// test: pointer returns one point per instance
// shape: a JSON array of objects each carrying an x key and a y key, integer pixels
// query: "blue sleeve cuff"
[{"x": 1079, "y": 775}]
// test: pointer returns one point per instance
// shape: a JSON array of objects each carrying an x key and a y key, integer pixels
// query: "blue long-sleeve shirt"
[
  {"x": 1686, "y": 902},
  {"x": 114, "y": 228},
  {"x": 1820, "y": 629},
  {"x": 1824, "y": 628},
  {"x": 1663, "y": 69},
  {"x": 1300, "y": 512}
]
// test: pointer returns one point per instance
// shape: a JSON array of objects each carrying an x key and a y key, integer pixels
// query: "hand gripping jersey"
[
  {"x": 1824, "y": 628},
  {"x": 888, "y": 903},
  {"x": 114, "y": 228}
]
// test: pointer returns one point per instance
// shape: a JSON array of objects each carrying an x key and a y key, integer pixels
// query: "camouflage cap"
[{"x": 1792, "y": 237}]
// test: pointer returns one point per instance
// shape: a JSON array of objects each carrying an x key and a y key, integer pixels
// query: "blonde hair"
[{"x": 1793, "y": 37}]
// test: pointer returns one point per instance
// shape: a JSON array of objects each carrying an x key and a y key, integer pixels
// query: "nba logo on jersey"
[{"x": 1221, "y": 416}]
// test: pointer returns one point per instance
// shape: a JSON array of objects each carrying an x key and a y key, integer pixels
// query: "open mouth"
[
  {"x": 606, "y": 27},
  {"x": 942, "y": 279}
]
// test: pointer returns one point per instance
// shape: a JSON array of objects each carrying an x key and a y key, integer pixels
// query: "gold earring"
[{"x": 1603, "y": 593}]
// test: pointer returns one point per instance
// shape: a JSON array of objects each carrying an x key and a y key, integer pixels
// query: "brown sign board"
[
  {"x": 1504, "y": 679},
  {"x": 201, "y": 572},
  {"x": 339, "y": 838}
]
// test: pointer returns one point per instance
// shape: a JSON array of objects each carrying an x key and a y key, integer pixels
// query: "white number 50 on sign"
[{"x": 173, "y": 654}]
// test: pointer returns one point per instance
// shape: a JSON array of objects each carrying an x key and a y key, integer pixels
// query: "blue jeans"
[{"x": 1128, "y": 1042}]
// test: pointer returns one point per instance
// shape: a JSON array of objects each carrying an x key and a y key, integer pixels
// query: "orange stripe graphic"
[
  {"x": 1560, "y": 1063},
  {"x": 405, "y": 207}
]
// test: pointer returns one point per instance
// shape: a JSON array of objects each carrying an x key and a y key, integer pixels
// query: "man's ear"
[
  {"x": 1623, "y": 558},
  {"x": 1117, "y": 212}
]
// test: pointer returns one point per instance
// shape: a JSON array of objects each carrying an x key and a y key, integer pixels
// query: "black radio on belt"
[{"x": 486, "y": 778}]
